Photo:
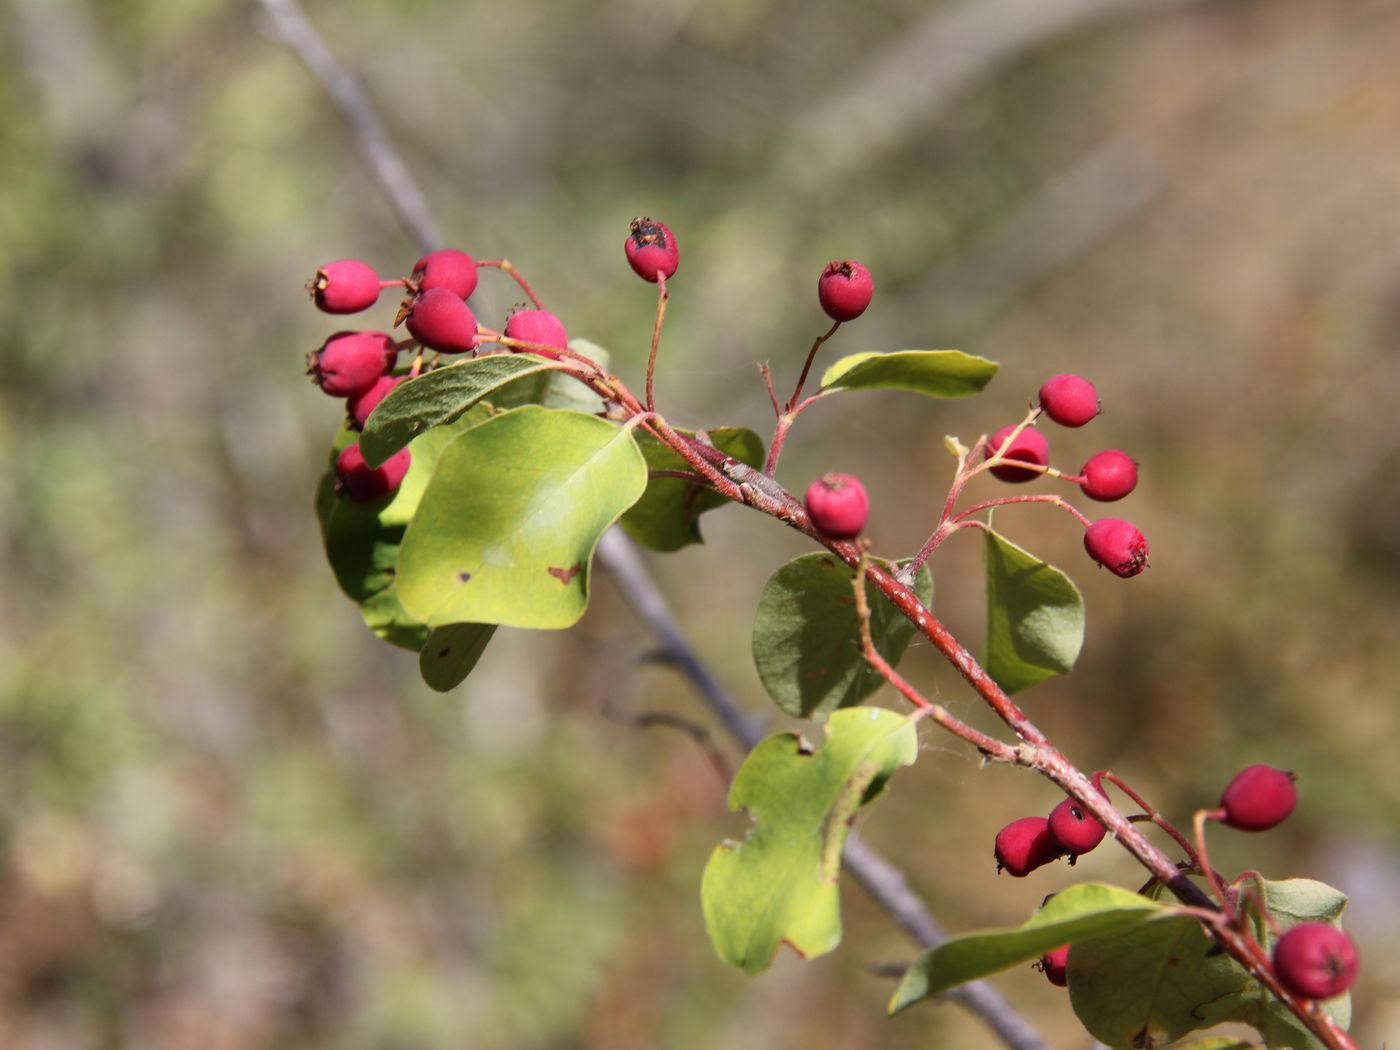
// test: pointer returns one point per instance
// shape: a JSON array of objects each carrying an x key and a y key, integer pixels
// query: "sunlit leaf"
[
  {"x": 1035, "y": 617},
  {"x": 935, "y": 373}
]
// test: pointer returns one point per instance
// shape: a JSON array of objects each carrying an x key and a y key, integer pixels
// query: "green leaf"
[
  {"x": 506, "y": 530},
  {"x": 779, "y": 886},
  {"x": 667, "y": 517},
  {"x": 450, "y": 653},
  {"x": 1083, "y": 910},
  {"x": 564, "y": 391},
  {"x": 806, "y": 635},
  {"x": 1035, "y": 617},
  {"x": 1218, "y": 1042},
  {"x": 442, "y": 395},
  {"x": 935, "y": 373}
]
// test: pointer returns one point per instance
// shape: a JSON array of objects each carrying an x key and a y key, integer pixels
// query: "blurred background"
[{"x": 230, "y": 818}]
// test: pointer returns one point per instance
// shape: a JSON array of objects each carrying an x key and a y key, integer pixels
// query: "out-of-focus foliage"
[{"x": 231, "y": 818}]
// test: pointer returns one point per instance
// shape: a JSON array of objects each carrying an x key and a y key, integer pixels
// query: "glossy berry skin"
[
  {"x": 1029, "y": 446},
  {"x": 1024, "y": 845},
  {"x": 1258, "y": 798},
  {"x": 844, "y": 290},
  {"x": 345, "y": 286},
  {"x": 537, "y": 326},
  {"x": 442, "y": 321},
  {"x": 358, "y": 408},
  {"x": 1069, "y": 400},
  {"x": 1118, "y": 545},
  {"x": 1315, "y": 961},
  {"x": 349, "y": 363},
  {"x": 1074, "y": 830},
  {"x": 1109, "y": 475},
  {"x": 1055, "y": 965},
  {"x": 446, "y": 268},
  {"x": 652, "y": 251},
  {"x": 838, "y": 505},
  {"x": 357, "y": 481}
]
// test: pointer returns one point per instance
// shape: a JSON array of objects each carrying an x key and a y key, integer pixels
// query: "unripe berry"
[
  {"x": 1055, "y": 965},
  {"x": 346, "y": 286},
  {"x": 1029, "y": 446},
  {"x": 1069, "y": 400},
  {"x": 537, "y": 326},
  {"x": 1258, "y": 798},
  {"x": 1109, "y": 475},
  {"x": 442, "y": 321},
  {"x": 1073, "y": 829},
  {"x": 1315, "y": 961},
  {"x": 838, "y": 505},
  {"x": 358, "y": 481},
  {"x": 1024, "y": 845},
  {"x": 844, "y": 290},
  {"x": 446, "y": 268},
  {"x": 359, "y": 408},
  {"x": 652, "y": 250},
  {"x": 349, "y": 363},
  {"x": 1118, "y": 545}
]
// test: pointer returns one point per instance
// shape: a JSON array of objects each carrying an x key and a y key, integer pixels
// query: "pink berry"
[
  {"x": 1024, "y": 845},
  {"x": 346, "y": 286},
  {"x": 359, "y": 408},
  {"x": 1258, "y": 798},
  {"x": 844, "y": 290},
  {"x": 1315, "y": 961},
  {"x": 1029, "y": 446},
  {"x": 446, "y": 268},
  {"x": 537, "y": 326},
  {"x": 1117, "y": 545},
  {"x": 1069, "y": 400},
  {"x": 1074, "y": 830},
  {"x": 442, "y": 321},
  {"x": 652, "y": 250},
  {"x": 349, "y": 363},
  {"x": 358, "y": 481},
  {"x": 1055, "y": 965},
  {"x": 1109, "y": 475},
  {"x": 838, "y": 505}
]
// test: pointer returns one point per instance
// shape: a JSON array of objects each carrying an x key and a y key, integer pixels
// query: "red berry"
[
  {"x": 442, "y": 321},
  {"x": 1029, "y": 446},
  {"x": 446, "y": 268},
  {"x": 1258, "y": 798},
  {"x": 1069, "y": 400},
  {"x": 1109, "y": 475},
  {"x": 1117, "y": 545},
  {"x": 359, "y": 408},
  {"x": 1024, "y": 845},
  {"x": 1074, "y": 830},
  {"x": 537, "y": 326},
  {"x": 1055, "y": 965},
  {"x": 358, "y": 481},
  {"x": 838, "y": 505},
  {"x": 1315, "y": 961},
  {"x": 652, "y": 250},
  {"x": 349, "y": 363},
  {"x": 844, "y": 290},
  {"x": 346, "y": 286}
]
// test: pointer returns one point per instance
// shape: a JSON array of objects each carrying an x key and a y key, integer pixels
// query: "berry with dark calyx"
[
  {"x": 345, "y": 286},
  {"x": 1075, "y": 831},
  {"x": 358, "y": 481},
  {"x": 1258, "y": 798},
  {"x": 1069, "y": 400},
  {"x": 359, "y": 408},
  {"x": 537, "y": 326},
  {"x": 441, "y": 321},
  {"x": 349, "y": 363},
  {"x": 838, "y": 505},
  {"x": 652, "y": 250},
  {"x": 1024, "y": 845},
  {"x": 1314, "y": 960},
  {"x": 1118, "y": 545},
  {"x": 844, "y": 290},
  {"x": 1055, "y": 965},
  {"x": 446, "y": 268},
  {"x": 1029, "y": 446},
  {"x": 1109, "y": 475}
]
